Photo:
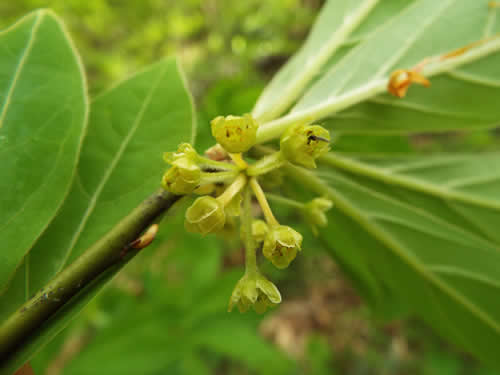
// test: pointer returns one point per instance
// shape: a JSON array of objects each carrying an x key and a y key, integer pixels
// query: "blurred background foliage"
[{"x": 166, "y": 312}]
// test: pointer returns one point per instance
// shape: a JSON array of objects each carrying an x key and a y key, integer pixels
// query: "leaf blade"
[
  {"x": 352, "y": 94},
  {"x": 400, "y": 233},
  {"x": 39, "y": 147},
  {"x": 120, "y": 164}
]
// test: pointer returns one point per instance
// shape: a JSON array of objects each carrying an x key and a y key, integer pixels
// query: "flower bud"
[
  {"x": 302, "y": 144},
  {"x": 183, "y": 177},
  {"x": 254, "y": 291},
  {"x": 281, "y": 245},
  {"x": 185, "y": 174},
  {"x": 314, "y": 212},
  {"x": 185, "y": 150},
  {"x": 206, "y": 215},
  {"x": 217, "y": 153},
  {"x": 236, "y": 134},
  {"x": 259, "y": 230}
]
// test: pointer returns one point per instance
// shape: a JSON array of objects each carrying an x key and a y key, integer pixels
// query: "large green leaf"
[
  {"x": 43, "y": 113},
  {"x": 351, "y": 88},
  {"x": 421, "y": 234},
  {"x": 130, "y": 126}
]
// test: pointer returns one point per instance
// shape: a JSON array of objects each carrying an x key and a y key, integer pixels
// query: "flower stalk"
[{"x": 264, "y": 205}]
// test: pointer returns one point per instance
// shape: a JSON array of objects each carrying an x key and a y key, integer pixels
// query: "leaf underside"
[
  {"x": 421, "y": 234},
  {"x": 415, "y": 234},
  {"x": 396, "y": 34}
]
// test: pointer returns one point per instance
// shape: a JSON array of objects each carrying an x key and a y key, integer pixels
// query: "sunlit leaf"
[{"x": 43, "y": 113}]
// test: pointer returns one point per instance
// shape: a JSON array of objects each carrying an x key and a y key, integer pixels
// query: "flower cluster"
[{"x": 224, "y": 179}]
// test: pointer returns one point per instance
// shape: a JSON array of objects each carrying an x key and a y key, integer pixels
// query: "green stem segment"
[
  {"x": 232, "y": 189},
  {"x": 266, "y": 164},
  {"x": 246, "y": 221},
  {"x": 215, "y": 177},
  {"x": 285, "y": 201},
  {"x": 109, "y": 251},
  {"x": 206, "y": 163},
  {"x": 261, "y": 197},
  {"x": 239, "y": 161}
]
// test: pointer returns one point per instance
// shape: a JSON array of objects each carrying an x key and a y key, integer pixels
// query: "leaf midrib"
[
  {"x": 418, "y": 211},
  {"x": 20, "y": 66},
  {"x": 379, "y": 174},
  {"x": 337, "y": 39}
]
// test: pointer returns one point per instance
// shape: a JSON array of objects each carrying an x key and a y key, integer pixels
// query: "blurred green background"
[{"x": 166, "y": 312}]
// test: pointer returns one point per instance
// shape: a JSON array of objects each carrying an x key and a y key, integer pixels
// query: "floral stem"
[
  {"x": 233, "y": 189},
  {"x": 285, "y": 201},
  {"x": 246, "y": 222},
  {"x": 209, "y": 177},
  {"x": 239, "y": 161},
  {"x": 266, "y": 164},
  {"x": 206, "y": 163},
  {"x": 261, "y": 197}
]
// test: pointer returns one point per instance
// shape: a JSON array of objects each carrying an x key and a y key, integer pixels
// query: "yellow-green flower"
[
  {"x": 259, "y": 230},
  {"x": 281, "y": 245},
  {"x": 254, "y": 290},
  {"x": 303, "y": 144},
  {"x": 235, "y": 133},
  {"x": 183, "y": 177},
  {"x": 205, "y": 215},
  {"x": 314, "y": 212}
]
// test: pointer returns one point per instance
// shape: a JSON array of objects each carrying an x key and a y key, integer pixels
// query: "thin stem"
[
  {"x": 261, "y": 198},
  {"x": 239, "y": 161},
  {"x": 206, "y": 163},
  {"x": 266, "y": 164},
  {"x": 28, "y": 320},
  {"x": 232, "y": 189},
  {"x": 208, "y": 178},
  {"x": 285, "y": 201},
  {"x": 246, "y": 221}
]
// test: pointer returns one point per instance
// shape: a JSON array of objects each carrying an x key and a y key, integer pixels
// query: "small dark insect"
[{"x": 316, "y": 138}]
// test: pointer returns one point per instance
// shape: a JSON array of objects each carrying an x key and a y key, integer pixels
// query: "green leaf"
[
  {"x": 43, "y": 113},
  {"x": 330, "y": 32},
  {"x": 37, "y": 323},
  {"x": 422, "y": 233},
  {"x": 352, "y": 90},
  {"x": 130, "y": 126}
]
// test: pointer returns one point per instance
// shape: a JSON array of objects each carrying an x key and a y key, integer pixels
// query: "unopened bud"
[
  {"x": 314, "y": 212},
  {"x": 182, "y": 178},
  {"x": 184, "y": 175}
]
